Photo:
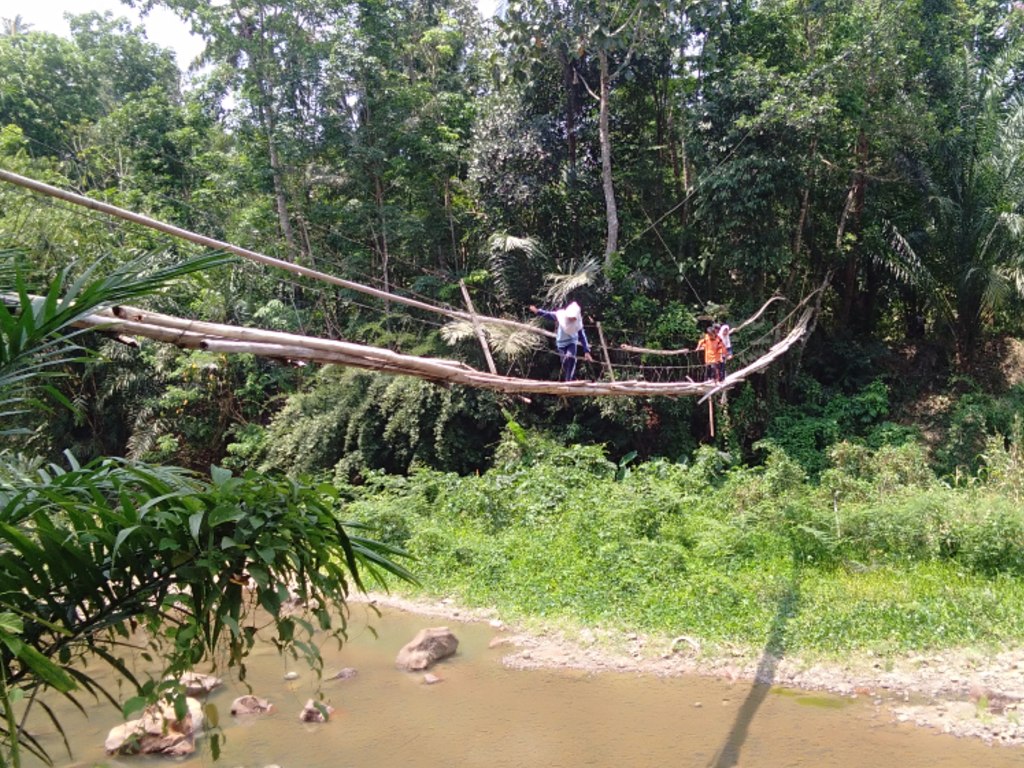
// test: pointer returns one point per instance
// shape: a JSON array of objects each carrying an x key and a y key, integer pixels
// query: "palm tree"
[
  {"x": 969, "y": 258},
  {"x": 13, "y": 27}
]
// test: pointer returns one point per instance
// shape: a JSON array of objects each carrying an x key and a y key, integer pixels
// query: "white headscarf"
[{"x": 570, "y": 319}]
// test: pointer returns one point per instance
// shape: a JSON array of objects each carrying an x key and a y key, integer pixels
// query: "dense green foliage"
[
  {"x": 664, "y": 163},
  {"x": 89, "y": 554},
  {"x": 92, "y": 553},
  {"x": 879, "y": 556}
]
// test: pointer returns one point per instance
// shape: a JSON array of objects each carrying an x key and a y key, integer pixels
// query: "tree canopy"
[{"x": 664, "y": 164}]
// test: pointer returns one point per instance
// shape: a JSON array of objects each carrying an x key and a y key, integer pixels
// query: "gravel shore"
[{"x": 967, "y": 693}]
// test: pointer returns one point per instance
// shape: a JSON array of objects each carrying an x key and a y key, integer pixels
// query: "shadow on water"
[{"x": 774, "y": 651}]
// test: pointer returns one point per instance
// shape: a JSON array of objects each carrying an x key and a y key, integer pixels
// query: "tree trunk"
[
  {"x": 611, "y": 209},
  {"x": 382, "y": 244},
  {"x": 569, "y": 80},
  {"x": 283, "y": 218},
  {"x": 854, "y": 207},
  {"x": 269, "y": 123}
]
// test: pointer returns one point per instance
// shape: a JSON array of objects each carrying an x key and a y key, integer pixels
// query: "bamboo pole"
[
  {"x": 291, "y": 346},
  {"x": 604, "y": 349},
  {"x": 245, "y": 253},
  {"x": 226, "y": 338},
  {"x": 476, "y": 327}
]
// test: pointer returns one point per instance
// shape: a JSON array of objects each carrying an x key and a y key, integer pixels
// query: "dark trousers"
[{"x": 567, "y": 354}]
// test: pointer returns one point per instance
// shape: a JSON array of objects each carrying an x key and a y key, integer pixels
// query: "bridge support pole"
[{"x": 476, "y": 327}]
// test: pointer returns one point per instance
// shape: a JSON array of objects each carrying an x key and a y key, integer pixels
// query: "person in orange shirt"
[{"x": 714, "y": 354}]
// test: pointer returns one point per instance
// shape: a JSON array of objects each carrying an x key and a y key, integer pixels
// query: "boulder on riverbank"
[
  {"x": 158, "y": 732},
  {"x": 428, "y": 647}
]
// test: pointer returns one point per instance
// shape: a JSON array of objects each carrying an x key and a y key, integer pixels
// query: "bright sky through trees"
[{"x": 162, "y": 26}]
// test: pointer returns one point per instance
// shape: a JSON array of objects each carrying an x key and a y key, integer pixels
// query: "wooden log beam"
[
  {"x": 260, "y": 258},
  {"x": 275, "y": 344}
]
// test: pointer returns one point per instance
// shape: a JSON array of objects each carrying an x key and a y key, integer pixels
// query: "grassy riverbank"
[{"x": 876, "y": 555}]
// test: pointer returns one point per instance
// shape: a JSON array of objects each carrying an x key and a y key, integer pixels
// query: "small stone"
[
  {"x": 430, "y": 679},
  {"x": 291, "y": 676}
]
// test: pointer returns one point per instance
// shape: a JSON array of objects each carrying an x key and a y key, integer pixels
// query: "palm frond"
[
  {"x": 146, "y": 429},
  {"x": 456, "y": 331},
  {"x": 1013, "y": 223},
  {"x": 512, "y": 343},
  {"x": 1013, "y": 276},
  {"x": 503, "y": 242},
  {"x": 561, "y": 286},
  {"x": 903, "y": 262},
  {"x": 504, "y": 253},
  {"x": 997, "y": 289}
]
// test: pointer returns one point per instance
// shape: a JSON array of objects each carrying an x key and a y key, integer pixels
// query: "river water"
[{"x": 482, "y": 714}]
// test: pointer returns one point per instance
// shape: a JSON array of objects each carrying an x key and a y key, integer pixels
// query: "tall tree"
[
  {"x": 967, "y": 257},
  {"x": 49, "y": 86},
  {"x": 580, "y": 36}
]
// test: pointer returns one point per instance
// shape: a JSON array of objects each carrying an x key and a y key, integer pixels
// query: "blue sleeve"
[
  {"x": 547, "y": 313},
  {"x": 583, "y": 342}
]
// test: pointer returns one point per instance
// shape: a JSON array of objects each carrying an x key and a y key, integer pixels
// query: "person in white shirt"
[
  {"x": 723, "y": 333},
  {"x": 569, "y": 336}
]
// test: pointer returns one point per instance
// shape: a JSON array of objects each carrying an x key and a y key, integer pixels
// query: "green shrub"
[
  {"x": 758, "y": 556},
  {"x": 988, "y": 534},
  {"x": 904, "y": 527},
  {"x": 973, "y": 421},
  {"x": 352, "y": 423},
  {"x": 1004, "y": 462},
  {"x": 807, "y": 432}
]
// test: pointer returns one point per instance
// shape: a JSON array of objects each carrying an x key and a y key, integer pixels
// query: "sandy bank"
[{"x": 967, "y": 693}]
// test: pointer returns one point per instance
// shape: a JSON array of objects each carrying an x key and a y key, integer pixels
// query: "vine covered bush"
[{"x": 351, "y": 423}]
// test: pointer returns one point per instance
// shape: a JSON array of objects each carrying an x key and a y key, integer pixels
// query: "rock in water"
[
  {"x": 429, "y": 646},
  {"x": 158, "y": 732},
  {"x": 250, "y": 705},
  {"x": 315, "y": 712},
  {"x": 197, "y": 684}
]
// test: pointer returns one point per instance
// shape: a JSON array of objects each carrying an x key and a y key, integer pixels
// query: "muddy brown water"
[{"x": 484, "y": 714}]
